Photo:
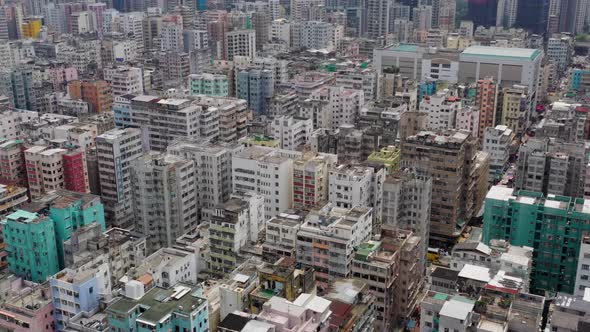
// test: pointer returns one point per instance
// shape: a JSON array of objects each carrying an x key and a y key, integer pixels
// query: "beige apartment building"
[{"x": 459, "y": 176}]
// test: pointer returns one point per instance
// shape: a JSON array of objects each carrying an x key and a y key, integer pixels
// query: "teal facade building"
[
  {"x": 71, "y": 211},
  {"x": 31, "y": 245},
  {"x": 580, "y": 80},
  {"x": 553, "y": 226},
  {"x": 211, "y": 85},
  {"x": 179, "y": 308}
]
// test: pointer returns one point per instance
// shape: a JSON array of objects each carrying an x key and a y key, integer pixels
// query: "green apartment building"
[
  {"x": 31, "y": 246},
  {"x": 553, "y": 226},
  {"x": 71, "y": 211},
  {"x": 212, "y": 85}
]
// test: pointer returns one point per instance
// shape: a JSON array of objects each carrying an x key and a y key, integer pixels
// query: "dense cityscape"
[{"x": 295, "y": 165}]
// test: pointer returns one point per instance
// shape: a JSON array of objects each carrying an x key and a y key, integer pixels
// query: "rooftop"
[
  {"x": 161, "y": 302},
  {"x": 502, "y": 52},
  {"x": 444, "y": 273},
  {"x": 234, "y": 322},
  {"x": 458, "y": 307},
  {"x": 403, "y": 48},
  {"x": 474, "y": 272},
  {"x": 346, "y": 290}
]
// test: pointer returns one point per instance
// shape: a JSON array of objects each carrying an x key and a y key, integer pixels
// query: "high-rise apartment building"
[
  {"x": 552, "y": 225},
  {"x": 551, "y": 168},
  {"x": 240, "y": 43},
  {"x": 257, "y": 87},
  {"x": 406, "y": 205},
  {"x": 516, "y": 108},
  {"x": 213, "y": 169},
  {"x": 12, "y": 159},
  {"x": 51, "y": 169},
  {"x": 378, "y": 12},
  {"x": 357, "y": 185},
  {"x": 171, "y": 39},
  {"x": 292, "y": 132},
  {"x": 124, "y": 80},
  {"x": 486, "y": 99},
  {"x": 234, "y": 224},
  {"x": 164, "y": 198},
  {"x": 266, "y": 171},
  {"x": 497, "y": 142},
  {"x": 96, "y": 93},
  {"x": 506, "y": 13},
  {"x": 233, "y": 116},
  {"x": 17, "y": 85},
  {"x": 31, "y": 245},
  {"x": 583, "y": 269},
  {"x": 532, "y": 15},
  {"x": 559, "y": 53},
  {"x": 442, "y": 109},
  {"x": 212, "y": 85},
  {"x": 390, "y": 267},
  {"x": 154, "y": 115},
  {"x": 483, "y": 12},
  {"x": 443, "y": 14},
  {"x": 327, "y": 239},
  {"x": 459, "y": 174},
  {"x": 310, "y": 180},
  {"x": 342, "y": 106},
  {"x": 174, "y": 66},
  {"x": 116, "y": 149}
]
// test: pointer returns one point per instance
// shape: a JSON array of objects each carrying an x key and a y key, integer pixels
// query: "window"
[{"x": 585, "y": 267}]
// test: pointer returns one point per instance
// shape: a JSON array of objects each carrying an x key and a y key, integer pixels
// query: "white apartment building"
[
  {"x": 342, "y": 107},
  {"x": 116, "y": 50},
  {"x": 240, "y": 43},
  {"x": 164, "y": 198},
  {"x": 268, "y": 172},
  {"x": 80, "y": 288},
  {"x": 82, "y": 22},
  {"x": 171, "y": 38},
  {"x": 116, "y": 149},
  {"x": 583, "y": 270},
  {"x": 291, "y": 132},
  {"x": 496, "y": 142},
  {"x": 168, "y": 266},
  {"x": 10, "y": 122},
  {"x": 467, "y": 118},
  {"x": 310, "y": 179},
  {"x": 366, "y": 79},
  {"x": 124, "y": 80},
  {"x": 165, "y": 120},
  {"x": 235, "y": 224},
  {"x": 406, "y": 205},
  {"x": 44, "y": 170},
  {"x": 559, "y": 52},
  {"x": 281, "y": 234},
  {"x": 279, "y": 67},
  {"x": 132, "y": 24},
  {"x": 442, "y": 110},
  {"x": 351, "y": 186},
  {"x": 327, "y": 238},
  {"x": 280, "y": 30},
  {"x": 317, "y": 35},
  {"x": 233, "y": 116},
  {"x": 213, "y": 171}
]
